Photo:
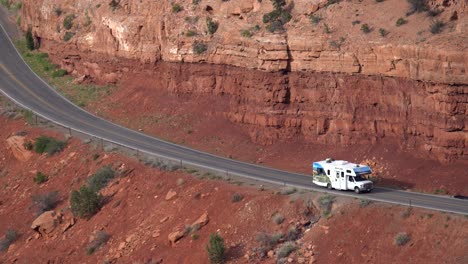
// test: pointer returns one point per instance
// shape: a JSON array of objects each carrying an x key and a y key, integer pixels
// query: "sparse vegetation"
[
  {"x": 40, "y": 178},
  {"x": 196, "y": 2},
  {"x": 286, "y": 249},
  {"x": 59, "y": 73},
  {"x": 45, "y": 202},
  {"x": 405, "y": 214},
  {"x": 383, "y": 32},
  {"x": 440, "y": 191},
  {"x": 315, "y": 19},
  {"x": 402, "y": 239},
  {"x": 114, "y": 4},
  {"x": 364, "y": 203},
  {"x": 277, "y": 18},
  {"x": 29, "y": 40},
  {"x": 176, "y": 8},
  {"x": 216, "y": 249},
  {"x": 49, "y": 145},
  {"x": 246, "y": 33},
  {"x": 278, "y": 218},
  {"x": 434, "y": 12},
  {"x": 356, "y": 22},
  {"x": 268, "y": 241},
  {"x": 28, "y": 115},
  {"x": 236, "y": 197},
  {"x": 68, "y": 21},
  {"x": 436, "y": 27},
  {"x": 190, "y": 33},
  {"x": 288, "y": 190},
  {"x": 10, "y": 237},
  {"x": 293, "y": 233},
  {"x": 326, "y": 29},
  {"x": 332, "y": 2},
  {"x": 199, "y": 47},
  {"x": 211, "y": 25},
  {"x": 101, "y": 178},
  {"x": 401, "y": 21},
  {"x": 85, "y": 203},
  {"x": 58, "y": 11},
  {"x": 417, "y": 6},
  {"x": 325, "y": 202},
  {"x": 365, "y": 28},
  {"x": 28, "y": 145},
  {"x": 68, "y": 35},
  {"x": 100, "y": 239}
]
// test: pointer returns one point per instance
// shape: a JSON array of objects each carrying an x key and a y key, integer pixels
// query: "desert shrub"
[
  {"x": 293, "y": 233},
  {"x": 40, "y": 178},
  {"x": 195, "y": 236},
  {"x": 379, "y": 1},
  {"x": 401, "y": 21},
  {"x": 364, "y": 203},
  {"x": 405, "y": 214},
  {"x": 29, "y": 39},
  {"x": 85, "y": 203},
  {"x": 315, "y": 19},
  {"x": 417, "y": 6},
  {"x": 114, "y": 4},
  {"x": 101, "y": 178},
  {"x": 436, "y": 27},
  {"x": 95, "y": 156},
  {"x": 211, "y": 25},
  {"x": 68, "y": 35},
  {"x": 48, "y": 145},
  {"x": 5, "y": 3},
  {"x": 176, "y": 8},
  {"x": 28, "y": 145},
  {"x": 59, "y": 73},
  {"x": 68, "y": 21},
  {"x": 355, "y": 22},
  {"x": 325, "y": 203},
  {"x": 434, "y": 12},
  {"x": 199, "y": 47},
  {"x": 278, "y": 218},
  {"x": 216, "y": 249},
  {"x": 326, "y": 29},
  {"x": 236, "y": 197},
  {"x": 268, "y": 241},
  {"x": 100, "y": 239},
  {"x": 401, "y": 239},
  {"x": 288, "y": 190},
  {"x": 440, "y": 191},
  {"x": 383, "y": 32},
  {"x": 45, "y": 202},
  {"x": 365, "y": 28},
  {"x": 246, "y": 33},
  {"x": 196, "y": 2},
  {"x": 10, "y": 237},
  {"x": 58, "y": 11},
  {"x": 190, "y": 33},
  {"x": 285, "y": 250},
  {"x": 332, "y": 2},
  {"x": 278, "y": 17}
]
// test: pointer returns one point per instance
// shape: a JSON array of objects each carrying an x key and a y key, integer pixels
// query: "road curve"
[{"x": 24, "y": 87}]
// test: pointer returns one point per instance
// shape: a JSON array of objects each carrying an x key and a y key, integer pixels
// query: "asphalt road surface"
[{"x": 24, "y": 87}]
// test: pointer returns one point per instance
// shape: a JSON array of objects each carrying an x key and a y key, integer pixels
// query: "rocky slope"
[
  {"x": 149, "y": 216},
  {"x": 330, "y": 82}
]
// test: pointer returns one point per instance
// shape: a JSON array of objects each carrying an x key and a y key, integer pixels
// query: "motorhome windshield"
[{"x": 359, "y": 178}]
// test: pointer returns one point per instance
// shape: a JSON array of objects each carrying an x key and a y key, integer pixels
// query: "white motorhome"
[{"x": 342, "y": 175}]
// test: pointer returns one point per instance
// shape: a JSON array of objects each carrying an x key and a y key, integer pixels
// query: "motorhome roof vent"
[{"x": 328, "y": 160}]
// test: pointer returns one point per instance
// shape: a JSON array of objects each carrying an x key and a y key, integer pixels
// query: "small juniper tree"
[
  {"x": 29, "y": 39},
  {"x": 216, "y": 249}
]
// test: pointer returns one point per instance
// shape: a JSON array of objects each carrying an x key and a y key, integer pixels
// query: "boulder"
[
  {"x": 171, "y": 194},
  {"x": 46, "y": 223},
  {"x": 175, "y": 236},
  {"x": 16, "y": 144},
  {"x": 202, "y": 220}
]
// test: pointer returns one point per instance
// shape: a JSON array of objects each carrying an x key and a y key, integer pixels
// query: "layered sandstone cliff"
[{"x": 328, "y": 82}]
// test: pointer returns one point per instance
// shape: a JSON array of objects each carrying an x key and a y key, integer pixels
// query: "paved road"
[{"x": 21, "y": 85}]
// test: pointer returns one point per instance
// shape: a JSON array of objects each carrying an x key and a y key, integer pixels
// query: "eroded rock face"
[{"x": 149, "y": 31}]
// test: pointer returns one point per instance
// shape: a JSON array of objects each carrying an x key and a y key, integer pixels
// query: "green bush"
[
  {"x": 114, "y": 4},
  {"x": 211, "y": 25},
  {"x": 278, "y": 218},
  {"x": 383, "y": 32},
  {"x": 401, "y": 21},
  {"x": 401, "y": 239},
  {"x": 293, "y": 233},
  {"x": 355, "y": 22},
  {"x": 28, "y": 145},
  {"x": 29, "y": 40},
  {"x": 190, "y": 33},
  {"x": 315, "y": 19},
  {"x": 216, "y": 249},
  {"x": 68, "y": 21},
  {"x": 10, "y": 237},
  {"x": 417, "y": 6},
  {"x": 48, "y": 145},
  {"x": 365, "y": 28},
  {"x": 246, "y": 33},
  {"x": 199, "y": 47},
  {"x": 236, "y": 198},
  {"x": 45, "y": 202},
  {"x": 326, "y": 29},
  {"x": 196, "y": 2},
  {"x": 58, "y": 11},
  {"x": 100, "y": 239},
  {"x": 285, "y": 250},
  {"x": 101, "y": 178},
  {"x": 59, "y": 73},
  {"x": 436, "y": 27},
  {"x": 277, "y": 18},
  {"x": 40, "y": 178},
  {"x": 364, "y": 203},
  {"x": 176, "y": 8},
  {"x": 68, "y": 35},
  {"x": 85, "y": 203}
]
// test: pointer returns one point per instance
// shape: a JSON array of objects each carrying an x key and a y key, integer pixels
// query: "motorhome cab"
[{"x": 342, "y": 175}]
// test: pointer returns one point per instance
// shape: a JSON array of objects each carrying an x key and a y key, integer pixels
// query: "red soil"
[{"x": 132, "y": 216}]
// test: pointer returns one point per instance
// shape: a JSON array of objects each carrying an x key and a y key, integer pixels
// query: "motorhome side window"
[
  {"x": 350, "y": 178},
  {"x": 328, "y": 172}
]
